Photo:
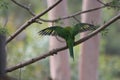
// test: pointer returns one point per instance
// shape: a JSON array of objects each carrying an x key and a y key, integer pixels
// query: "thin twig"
[
  {"x": 67, "y": 17},
  {"x": 30, "y": 21},
  {"x": 26, "y": 8},
  {"x": 76, "y": 19},
  {"x": 79, "y": 13},
  {"x": 23, "y": 6},
  {"x": 117, "y": 17},
  {"x": 108, "y": 4},
  {"x": 44, "y": 20},
  {"x": 76, "y": 14},
  {"x": 101, "y": 2},
  {"x": 54, "y": 51}
]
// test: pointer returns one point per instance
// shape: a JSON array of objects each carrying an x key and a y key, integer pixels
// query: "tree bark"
[
  {"x": 2, "y": 55},
  {"x": 90, "y": 49},
  {"x": 59, "y": 64}
]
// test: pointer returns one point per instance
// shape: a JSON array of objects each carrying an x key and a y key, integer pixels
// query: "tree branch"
[
  {"x": 26, "y": 8},
  {"x": 67, "y": 17},
  {"x": 23, "y": 6},
  {"x": 108, "y": 4},
  {"x": 54, "y": 51},
  {"x": 70, "y": 16},
  {"x": 30, "y": 21},
  {"x": 73, "y": 15}
]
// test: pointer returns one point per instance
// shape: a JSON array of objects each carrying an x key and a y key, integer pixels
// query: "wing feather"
[
  {"x": 54, "y": 30},
  {"x": 82, "y": 27}
]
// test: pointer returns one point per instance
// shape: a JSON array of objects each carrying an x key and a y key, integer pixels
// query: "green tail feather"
[
  {"x": 71, "y": 52},
  {"x": 70, "y": 44}
]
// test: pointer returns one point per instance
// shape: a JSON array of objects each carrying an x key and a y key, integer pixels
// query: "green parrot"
[{"x": 68, "y": 33}]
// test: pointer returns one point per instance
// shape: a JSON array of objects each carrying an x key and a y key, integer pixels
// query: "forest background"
[{"x": 29, "y": 44}]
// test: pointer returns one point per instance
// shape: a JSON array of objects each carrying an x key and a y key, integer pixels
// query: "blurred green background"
[{"x": 29, "y": 44}]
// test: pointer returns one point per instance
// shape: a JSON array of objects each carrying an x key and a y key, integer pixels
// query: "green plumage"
[{"x": 68, "y": 33}]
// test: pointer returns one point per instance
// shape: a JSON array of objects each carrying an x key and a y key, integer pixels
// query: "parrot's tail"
[
  {"x": 71, "y": 52},
  {"x": 70, "y": 46}
]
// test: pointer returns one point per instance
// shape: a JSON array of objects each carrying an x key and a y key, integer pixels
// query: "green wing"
[
  {"x": 55, "y": 31},
  {"x": 82, "y": 27}
]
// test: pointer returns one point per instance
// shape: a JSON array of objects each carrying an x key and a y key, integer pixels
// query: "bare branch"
[
  {"x": 26, "y": 8},
  {"x": 76, "y": 19},
  {"x": 108, "y": 4},
  {"x": 30, "y": 21},
  {"x": 23, "y": 6},
  {"x": 73, "y": 15},
  {"x": 117, "y": 17},
  {"x": 101, "y": 2},
  {"x": 67, "y": 17},
  {"x": 54, "y": 51}
]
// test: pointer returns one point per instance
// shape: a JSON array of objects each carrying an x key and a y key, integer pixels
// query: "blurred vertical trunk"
[
  {"x": 2, "y": 56},
  {"x": 59, "y": 64},
  {"x": 90, "y": 48}
]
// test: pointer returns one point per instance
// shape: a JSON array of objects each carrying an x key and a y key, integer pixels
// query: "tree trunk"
[
  {"x": 2, "y": 56},
  {"x": 90, "y": 48},
  {"x": 59, "y": 64}
]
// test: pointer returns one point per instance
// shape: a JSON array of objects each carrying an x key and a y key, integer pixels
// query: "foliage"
[
  {"x": 3, "y": 7},
  {"x": 3, "y": 31},
  {"x": 115, "y": 4},
  {"x": 3, "y": 4}
]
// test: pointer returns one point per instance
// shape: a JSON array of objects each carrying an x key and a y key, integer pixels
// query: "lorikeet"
[{"x": 68, "y": 33}]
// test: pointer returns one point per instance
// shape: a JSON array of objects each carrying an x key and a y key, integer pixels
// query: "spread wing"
[
  {"x": 54, "y": 31},
  {"x": 82, "y": 27}
]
